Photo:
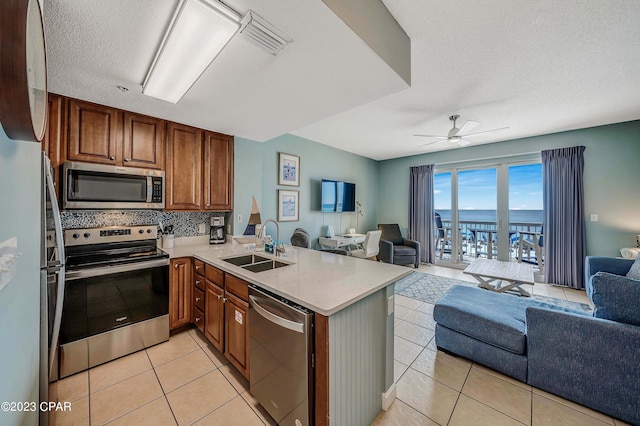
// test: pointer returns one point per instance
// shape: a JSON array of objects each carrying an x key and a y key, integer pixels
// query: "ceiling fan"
[{"x": 457, "y": 135}]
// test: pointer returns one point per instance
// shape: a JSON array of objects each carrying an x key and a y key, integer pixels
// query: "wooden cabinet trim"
[
  {"x": 321, "y": 340},
  {"x": 214, "y": 315}
]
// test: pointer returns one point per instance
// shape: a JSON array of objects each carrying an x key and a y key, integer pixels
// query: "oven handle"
[{"x": 95, "y": 272}]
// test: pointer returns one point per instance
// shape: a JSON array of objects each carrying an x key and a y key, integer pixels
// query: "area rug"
[{"x": 429, "y": 288}]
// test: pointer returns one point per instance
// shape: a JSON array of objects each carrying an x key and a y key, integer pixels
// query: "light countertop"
[{"x": 320, "y": 281}]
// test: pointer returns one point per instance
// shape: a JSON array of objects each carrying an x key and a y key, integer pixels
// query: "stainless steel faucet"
[{"x": 279, "y": 248}]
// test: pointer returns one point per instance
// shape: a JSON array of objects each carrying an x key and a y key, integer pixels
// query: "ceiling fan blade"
[
  {"x": 468, "y": 126},
  {"x": 486, "y": 131},
  {"x": 432, "y": 136},
  {"x": 434, "y": 142},
  {"x": 463, "y": 142}
]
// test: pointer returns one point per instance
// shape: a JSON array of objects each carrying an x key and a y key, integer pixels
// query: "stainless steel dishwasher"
[{"x": 280, "y": 357}]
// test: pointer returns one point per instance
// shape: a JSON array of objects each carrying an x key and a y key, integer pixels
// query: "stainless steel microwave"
[{"x": 97, "y": 186}]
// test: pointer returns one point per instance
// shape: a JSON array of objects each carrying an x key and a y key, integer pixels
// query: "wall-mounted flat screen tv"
[{"x": 338, "y": 196}]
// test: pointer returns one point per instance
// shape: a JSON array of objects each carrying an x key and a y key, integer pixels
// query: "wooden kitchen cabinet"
[
  {"x": 218, "y": 172},
  {"x": 180, "y": 292},
  {"x": 183, "y": 179},
  {"x": 214, "y": 315},
  {"x": 100, "y": 134},
  {"x": 95, "y": 133},
  {"x": 236, "y": 312},
  {"x": 143, "y": 144},
  {"x": 54, "y": 143}
]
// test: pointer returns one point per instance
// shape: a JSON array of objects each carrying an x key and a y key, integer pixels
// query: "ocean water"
[{"x": 518, "y": 216}]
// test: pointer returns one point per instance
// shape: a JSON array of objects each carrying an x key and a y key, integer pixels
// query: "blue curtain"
[
  {"x": 564, "y": 221},
  {"x": 421, "y": 211}
]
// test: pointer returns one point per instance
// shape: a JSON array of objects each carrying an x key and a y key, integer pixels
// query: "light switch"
[
  {"x": 239, "y": 218},
  {"x": 594, "y": 217},
  {"x": 202, "y": 228}
]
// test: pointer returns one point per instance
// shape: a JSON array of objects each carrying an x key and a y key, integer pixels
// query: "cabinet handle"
[
  {"x": 198, "y": 319},
  {"x": 197, "y": 269},
  {"x": 112, "y": 158},
  {"x": 224, "y": 299},
  {"x": 176, "y": 266},
  {"x": 127, "y": 159},
  {"x": 219, "y": 297},
  {"x": 197, "y": 282},
  {"x": 197, "y": 299}
]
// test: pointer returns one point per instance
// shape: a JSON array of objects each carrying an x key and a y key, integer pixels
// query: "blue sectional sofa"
[{"x": 591, "y": 360}]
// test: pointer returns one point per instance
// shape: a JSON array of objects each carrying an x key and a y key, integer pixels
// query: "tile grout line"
[{"x": 459, "y": 393}]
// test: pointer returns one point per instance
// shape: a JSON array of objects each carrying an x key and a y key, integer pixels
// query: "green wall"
[
  {"x": 20, "y": 299},
  {"x": 611, "y": 178},
  {"x": 256, "y": 173}
]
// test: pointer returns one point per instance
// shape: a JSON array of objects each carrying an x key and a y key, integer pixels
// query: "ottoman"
[{"x": 485, "y": 327}]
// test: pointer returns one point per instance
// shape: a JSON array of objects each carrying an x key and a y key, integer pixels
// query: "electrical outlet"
[
  {"x": 239, "y": 218},
  {"x": 594, "y": 217},
  {"x": 202, "y": 228}
]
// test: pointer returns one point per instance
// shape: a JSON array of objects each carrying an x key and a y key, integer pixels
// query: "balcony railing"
[{"x": 479, "y": 238}]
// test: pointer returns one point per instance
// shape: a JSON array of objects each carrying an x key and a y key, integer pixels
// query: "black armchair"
[{"x": 396, "y": 249}]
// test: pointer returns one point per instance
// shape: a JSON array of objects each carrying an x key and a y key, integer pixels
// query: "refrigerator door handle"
[{"x": 57, "y": 317}]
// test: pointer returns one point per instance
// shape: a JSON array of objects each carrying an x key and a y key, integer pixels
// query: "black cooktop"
[{"x": 91, "y": 256}]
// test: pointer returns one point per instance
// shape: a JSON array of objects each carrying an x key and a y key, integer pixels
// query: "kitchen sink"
[
  {"x": 246, "y": 259},
  {"x": 255, "y": 263}
]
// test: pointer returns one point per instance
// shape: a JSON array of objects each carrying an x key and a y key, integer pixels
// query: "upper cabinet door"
[
  {"x": 218, "y": 172},
  {"x": 93, "y": 133},
  {"x": 143, "y": 141},
  {"x": 183, "y": 168}
]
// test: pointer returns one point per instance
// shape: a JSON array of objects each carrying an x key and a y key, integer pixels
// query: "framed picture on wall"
[
  {"x": 288, "y": 170},
  {"x": 288, "y": 205}
]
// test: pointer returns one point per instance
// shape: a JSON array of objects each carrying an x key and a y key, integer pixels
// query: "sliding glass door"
[{"x": 486, "y": 210}]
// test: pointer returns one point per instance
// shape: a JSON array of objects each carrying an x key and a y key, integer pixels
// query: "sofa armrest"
[
  {"x": 416, "y": 245},
  {"x": 591, "y": 361},
  {"x": 386, "y": 251},
  {"x": 613, "y": 265}
]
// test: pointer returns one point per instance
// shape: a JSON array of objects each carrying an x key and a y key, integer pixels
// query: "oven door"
[{"x": 113, "y": 311}]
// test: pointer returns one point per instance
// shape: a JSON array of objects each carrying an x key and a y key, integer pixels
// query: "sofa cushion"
[
  {"x": 493, "y": 318},
  {"x": 634, "y": 272},
  {"x": 616, "y": 298},
  {"x": 403, "y": 251}
]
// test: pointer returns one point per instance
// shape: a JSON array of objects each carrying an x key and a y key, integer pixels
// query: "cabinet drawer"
[
  {"x": 198, "y": 281},
  {"x": 198, "y": 319},
  {"x": 215, "y": 275},
  {"x": 198, "y": 266},
  {"x": 198, "y": 299},
  {"x": 237, "y": 286}
]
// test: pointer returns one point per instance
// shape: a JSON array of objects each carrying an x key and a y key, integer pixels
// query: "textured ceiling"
[{"x": 538, "y": 67}]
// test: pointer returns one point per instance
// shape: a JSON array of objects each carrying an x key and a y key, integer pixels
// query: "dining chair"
[
  {"x": 532, "y": 241},
  {"x": 370, "y": 246}
]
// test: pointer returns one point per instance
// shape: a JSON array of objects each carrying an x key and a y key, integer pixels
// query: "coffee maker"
[{"x": 217, "y": 230}]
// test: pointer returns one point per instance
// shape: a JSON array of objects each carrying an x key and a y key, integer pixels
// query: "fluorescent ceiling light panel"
[{"x": 200, "y": 29}]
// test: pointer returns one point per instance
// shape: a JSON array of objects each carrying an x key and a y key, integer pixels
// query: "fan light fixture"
[{"x": 198, "y": 32}]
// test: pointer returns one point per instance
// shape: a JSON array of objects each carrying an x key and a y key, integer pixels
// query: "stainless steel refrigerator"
[{"x": 52, "y": 273}]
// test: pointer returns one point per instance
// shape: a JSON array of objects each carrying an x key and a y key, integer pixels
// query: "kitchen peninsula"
[{"x": 353, "y": 331}]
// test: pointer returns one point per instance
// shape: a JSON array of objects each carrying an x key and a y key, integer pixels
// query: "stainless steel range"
[{"x": 117, "y": 295}]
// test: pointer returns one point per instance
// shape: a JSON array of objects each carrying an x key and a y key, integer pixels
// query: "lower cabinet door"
[
  {"x": 198, "y": 318},
  {"x": 237, "y": 333},
  {"x": 214, "y": 312}
]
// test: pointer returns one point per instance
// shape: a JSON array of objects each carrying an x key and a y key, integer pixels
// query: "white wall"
[{"x": 20, "y": 299}]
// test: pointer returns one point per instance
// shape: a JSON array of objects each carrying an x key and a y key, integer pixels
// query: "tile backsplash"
[{"x": 185, "y": 224}]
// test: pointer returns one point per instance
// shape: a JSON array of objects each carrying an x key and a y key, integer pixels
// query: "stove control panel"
[{"x": 109, "y": 234}]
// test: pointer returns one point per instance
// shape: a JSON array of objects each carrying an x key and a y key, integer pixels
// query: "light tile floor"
[{"x": 186, "y": 381}]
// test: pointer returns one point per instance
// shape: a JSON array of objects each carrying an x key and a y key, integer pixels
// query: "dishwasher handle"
[{"x": 298, "y": 327}]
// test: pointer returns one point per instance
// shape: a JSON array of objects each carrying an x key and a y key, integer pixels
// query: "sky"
[{"x": 477, "y": 189}]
